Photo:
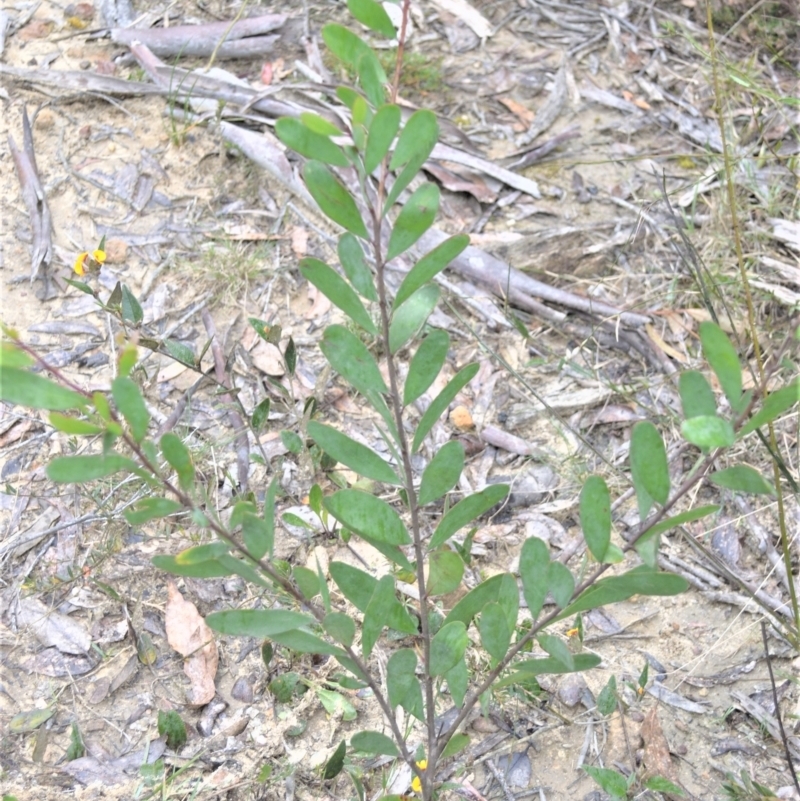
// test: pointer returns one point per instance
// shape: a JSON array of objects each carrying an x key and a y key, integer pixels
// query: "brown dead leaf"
[
  {"x": 38, "y": 29},
  {"x": 524, "y": 114},
  {"x": 320, "y": 305},
  {"x": 189, "y": 635},
  {"x": 659, "y": 342},
  {"x": 268, "y": 358},
  {"x": 656, "y": 750}
]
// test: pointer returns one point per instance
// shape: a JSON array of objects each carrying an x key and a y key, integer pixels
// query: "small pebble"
[
  {"x": 636, "y": 715},
  {"x": 243, "y": 690},
  {"x": 85, "y": 64},
  {"x": 45, "y": 120},
  {"x": 116, "y": 251},
  {"x": 681, "y": 749}
]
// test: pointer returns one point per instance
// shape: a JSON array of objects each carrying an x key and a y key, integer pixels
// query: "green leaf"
[
  {"x": 722, "y": 357},
  {"x": 333, "y": 767},
  {"x": 607, "y": 698},
  {"x": 292, "y": 442},
  {"x": 415, "y": 218},
  {"x": 457, "y": 679},
  {"x": 358, "y": 587},
  {"x": 775, "y": 405},
  {"x": 127, "y": 359},
  {"x": 180, "y": 352},
  {"x": 457, "y": 743},
  {"x": 22, "y": 388},
  {"x": 373, "y": 742},
  {"x": 355, "y": 267},
  {"x": 309, "y": 143},
  {"x": 30, "y": 720},
  {"x": 442, "y": 401},
  {"x": 697, "y": 397},
  {"x": 558, "y": 649},
  {"x": 447, "y": 647},
  {"x": 151, "y": 509},
  {"x": 171, "y": 724},
  {"x": 179, "y": 459},
  {"x": 333, "y": 198},
  {"x": 77, "y": 748},
  {"x": 473, "y": 602},
  {"x": 372, "y": 78},
  {"x": 495, "y": 632},
  {"x": 374, "y": 16},
  {"x": 649, "y": 468},
  {"x": 260, "y": 415},
  {"x": 414, "y": 145},
  {"x": 338, "y": 292},
  {"x": 130, "y": 308},
  {"x": 610, "y": 781},
  {"x": 202, "y": 553},
  {"x": 426, "y": 365},
  {"x": 256, "y": 622},
  {"x": 661, "y": 785},
  {"x": 560, "y": 583},
  {"x": 290, "y": 356},
  {"x": 639, "y": 581},
  {"x": 306, "y": 643},
  {"x": 430, "y": 265},
  {"x": 382, "y": 131},
  {"x": 534, "y": 561},
  {"x": 352, "y": 454},
  {"x": 283, "y": 687},
  {"x": 400, "y": 675},
  {"x": 408, "y": 320},
  {"x": 213, "y": 568},
  {"x": 367, "y": 515},
  {"x": 77, "y": 469},
  {"x": 349, "y": 356},
  {"x": 319, "y": 124},
  {"x": 442, "y": 473},
  {"x": 12, "y": 356},
  {"x": 73, "y": 425},
  {"x": 742, "y": 478},
  {"x": 344, "y": 44},
  {"x": 466, "y": 511},
  {"x": 341, "y": 627},
  {"x": 336, "y": 705},
  {"x": 679, "y": 520},
  {"x": 595, "y": 515},
  {"x": 446, "y": 572},
  {"x": 307, "y": 580},
  {"x": 708, "y": 432},
  {"x": 128, "y": 398},
  {"x": 375, "y": 617},
  {"x": 531, "y": 668}
]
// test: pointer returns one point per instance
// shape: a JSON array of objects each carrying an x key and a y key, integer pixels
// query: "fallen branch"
[{"x": 242, "y": 39}]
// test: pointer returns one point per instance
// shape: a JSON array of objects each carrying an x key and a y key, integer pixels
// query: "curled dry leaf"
[
  {"x": 656, "y": 750},
  {"x": 189, "y": 635}
]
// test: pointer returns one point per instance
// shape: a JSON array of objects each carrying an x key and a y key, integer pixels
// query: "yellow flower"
[
  {"x": 99, "y": 256},
  {"x": 416, "y": 784},
  {"x": 80, "y": 263},
  {"x": 573, "y": 632}
]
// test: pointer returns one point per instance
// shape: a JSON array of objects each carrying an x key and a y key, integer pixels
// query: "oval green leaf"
[
  {"x": 534, "y": 561},
  {"x": 75, "y": 469},
  {"x": 354, "y": 265},
  {"x": 352, "y": 454},
  {"x": 595, "y": 515},
  {"x": 309, "y": 143},
  {"x": 442, "y": 473},
  {"x": 130, "y": 403},
  {"x": 447, "y": 647},
  {"x": 707, "y": 432},
  {"x": 349, "y": 356},
  {"x": 697, "y": 397},
  {"x": 775, "y": 405},
  {"x": 373, "y": 15},
  {"x": 257, "y": 623},
  {"x": 367, "y": 515},
  {"x": 179, "y": 459},
  {"x": 332, "y": 197},
  {"x": 494, "y": 630},
  {"x": 649, "y": 468},
  {"x": 409, "y": 319},
  {"x": 466, "y": 511},
  {"x": 36, "y": 392},
  {"x": 373, "y": 742},
  {"x": 151, "y": 509},
  {"x": 742, "y": 478},
  {"x": 338, "y": 292},
  {"x": 415, "y": 218},
  {"x": 724, "y": 361},
  {"x": 430, "y": 265},
  {"x": 382, "y": 131},
  {"x": 446, "y": 572},
  {"x": 426, "y": 365},
  {"x": 341, "y": 627}
]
